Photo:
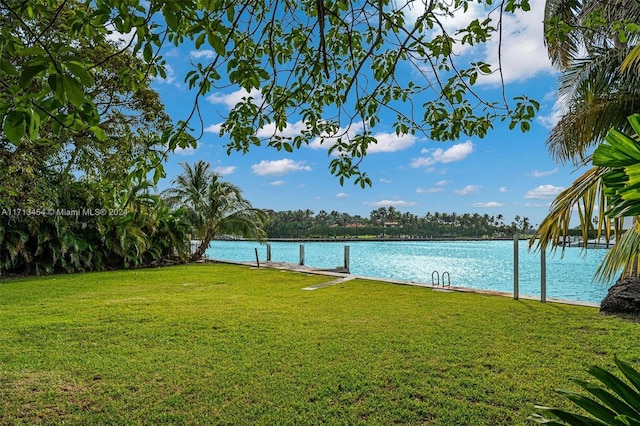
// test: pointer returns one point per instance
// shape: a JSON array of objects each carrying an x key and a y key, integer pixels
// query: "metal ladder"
[{"x": 435, "y": 279}]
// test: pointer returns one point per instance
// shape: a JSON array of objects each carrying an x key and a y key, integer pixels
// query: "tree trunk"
[
  {"x": 623, "y": 297},
  {"x": 199, "y": 253}
]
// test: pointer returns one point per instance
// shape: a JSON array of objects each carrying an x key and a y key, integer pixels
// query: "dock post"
[
  {"x": 268, "y": 252},
  {"x": 543, "y": 275},
  {"x": 257, "y": 259},
  {"x": 346, "y": 258},
  {"x": 302, "y": 254},
  {"x": 516, "y": 290}
]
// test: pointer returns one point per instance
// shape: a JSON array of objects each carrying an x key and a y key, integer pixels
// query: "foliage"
[
  {"x": 620, "y": 156},
  {"x": 609, "y": 191},
  {"x": 213, "y": 207},
  {"x": 588, "y": 42},
  {"x": 227, "y": 344},
  {"x": 620, "y": 153},
  {"x": 79, "y": 136},
  {"x": 90, "y": 232},
  {"x": 615, "y": 404},
  {"x": 586, "y": 194},
  {"x": 334, "y": 65},
  {"x": 66, "y": 106},
  {"x": 389, "y": 222}
]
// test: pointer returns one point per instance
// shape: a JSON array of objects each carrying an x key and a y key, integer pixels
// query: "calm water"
[{"x": 484, "y": 265}]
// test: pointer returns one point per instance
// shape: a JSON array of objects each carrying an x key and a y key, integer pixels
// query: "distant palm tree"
[
  {"x": 596, "y": 95},
  {"x": 213, "y": 207}
]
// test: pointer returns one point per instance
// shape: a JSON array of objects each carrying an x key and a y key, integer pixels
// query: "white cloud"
[
  {"x": 553, "y": 116},
  {"x": 279, "y": 167},
  {"x": 387, "y": 203},
  {"x": 277, "y": 183},
  {"x": 386, "y": 142},
  {"x": 390, "y": 142},
  {"x": 451, "y": 24},
  {"x": 429, "y": 190},
  {"x": 342, "y": 195},
  {"x": 455, "y": 153},
  {"x": 537, "y": 204},
  {"x": 343, "y": 132},
  {"x": 224, "y": 170},
  {"x": 543, "y": 192},
  {"x": 184, "y": 151},
  {"x": 522, "y": 49},
  {"x": 523, "y": 52},
  {"x": 383, "y": 180},
  {"x": 503, "y": 189},
  {"x": 290, "y": 130},
  {"x": 441, "y": 183},
  {"x": 121, "y": 40},
  {"x": 231, "y": 99},
  {"x": 539, "y": 173},
  {"x": 207, "y": 54},
  {"x": 469, "y": 189},
  {"x": 214, "y": 128},
  {"x": 489, "y": 204},
  {"x": 172, "y": 53}
]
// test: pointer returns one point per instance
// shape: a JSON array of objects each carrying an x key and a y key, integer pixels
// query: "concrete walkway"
[{"x": 334, "y": 282}]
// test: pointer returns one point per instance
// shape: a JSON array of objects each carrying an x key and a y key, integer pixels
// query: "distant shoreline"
[{"x": 374, "y": 239}]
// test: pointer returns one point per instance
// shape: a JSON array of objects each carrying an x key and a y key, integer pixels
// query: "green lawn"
[{"x": 224, "y": 344}]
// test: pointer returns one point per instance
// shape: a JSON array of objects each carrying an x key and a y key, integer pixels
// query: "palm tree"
[
  {"x": 213, "y": 207},
  {"x": 599, "y": 98},
  {"x": 589, "y": 53}
]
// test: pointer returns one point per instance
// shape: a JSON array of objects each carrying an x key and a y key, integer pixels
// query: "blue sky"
[{"x": 507, "y": 172}]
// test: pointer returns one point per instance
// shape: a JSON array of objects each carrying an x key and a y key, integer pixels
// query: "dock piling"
[
  {"x": 346, "y": 258},
  {"x": 516, "y": 290},
  {"x": 543, "y": 276}
]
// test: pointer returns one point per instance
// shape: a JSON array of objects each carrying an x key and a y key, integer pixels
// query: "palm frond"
[
  {"x": 578, "y": 131},
  {"x": 631, "y": 64},
  {"x": 623, "y": 256},
  {"x": 560, "y": 48},
  {"x": 584, "y": 195}
]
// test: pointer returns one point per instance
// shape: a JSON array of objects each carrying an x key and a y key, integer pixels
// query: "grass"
[{"x": 224, "y": 344}]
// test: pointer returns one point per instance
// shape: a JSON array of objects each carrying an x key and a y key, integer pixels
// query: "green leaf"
[
  {"x": 634, "y": 120},
  {"x": 589, "y": 405},
  {"x": 571, "y": 418},
  {"x": 34, "y": 125},
  {"x": 623, "y": 390},
  {"x": 200, "y": 40},
  {"x": 603, "y": 395},
  {"x": 14, "y": 126},
  {"x": 28, "y": 73},
  {"x": 78, "y": 69},
  {"x": 73, "y": 91},
  {"x": 147, "y": 52},
  {"x": 99, "y": 133},
  {"x": 630, "y": 373},
  {"x": 8, "y": 68},
  {"x": 55, "y": 82},
  {"x": 217, "y": 43}
]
